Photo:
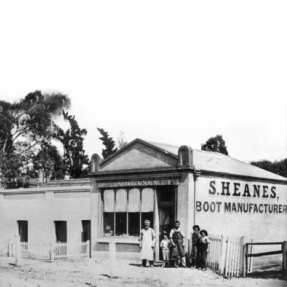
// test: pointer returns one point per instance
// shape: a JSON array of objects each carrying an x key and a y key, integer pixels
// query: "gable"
[{"x": 139, "y": 156}]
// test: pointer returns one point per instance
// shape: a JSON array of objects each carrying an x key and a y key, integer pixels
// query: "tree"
[
  {"x": 25, "y": 126},
  {"x": 74, "y": 157},
  {"x": 121, "y": 140},
  {"x": 108, "y": 143},
  {"x": 215, "y": 144},
  {"x": 48, "y": 163},
  {"x": 278, "y": 167}
]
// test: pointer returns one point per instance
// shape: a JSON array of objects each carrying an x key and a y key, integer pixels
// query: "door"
[
  {"x": 86, "y": 234},
  {"x": 166, "y": 210}
]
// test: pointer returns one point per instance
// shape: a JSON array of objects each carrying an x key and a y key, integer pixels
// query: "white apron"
[{"x": 147, "y": 236}]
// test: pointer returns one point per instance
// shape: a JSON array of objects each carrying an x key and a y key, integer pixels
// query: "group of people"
[{"x": 173, "y": 247}]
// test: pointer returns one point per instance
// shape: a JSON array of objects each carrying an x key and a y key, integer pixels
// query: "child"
[
  {"x": 165, "y": 245},
  {"x": 194, "y": 248},
  {"x": 203, "y": 249}
]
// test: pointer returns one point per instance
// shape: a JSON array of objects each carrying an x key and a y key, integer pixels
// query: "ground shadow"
[{"x": 268, "y": 272}]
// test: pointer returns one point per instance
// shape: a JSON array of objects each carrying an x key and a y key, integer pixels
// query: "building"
[{"x": 153, "y": 181}]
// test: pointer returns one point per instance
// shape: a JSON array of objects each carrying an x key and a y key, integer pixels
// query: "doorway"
[{"x": 166, "y": 209}]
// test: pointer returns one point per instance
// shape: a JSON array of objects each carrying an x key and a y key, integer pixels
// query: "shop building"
[{"x": 158, "y": 182}]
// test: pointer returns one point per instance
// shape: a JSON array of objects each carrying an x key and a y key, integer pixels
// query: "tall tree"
[
  {"x": 30, "y": 119},
  {"x": 25, "y": 126},
  {"x": 215, "y": 144},
  {"x": 108, "y": 143},
  {"x": 75, "y": 158}
]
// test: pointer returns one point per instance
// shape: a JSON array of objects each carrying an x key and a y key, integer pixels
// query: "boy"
[
  {"x": 165, "y": 245},
  {"x": 194, "y": 248}
]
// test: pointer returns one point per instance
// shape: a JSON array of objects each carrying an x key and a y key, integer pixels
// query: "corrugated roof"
[{"x": 217, "y": 162}]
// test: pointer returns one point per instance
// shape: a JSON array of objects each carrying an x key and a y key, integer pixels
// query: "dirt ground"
[{"x": 98, "y": 273}]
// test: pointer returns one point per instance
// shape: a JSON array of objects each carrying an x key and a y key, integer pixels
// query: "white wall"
[
  {"x": 41, "y": 210},
  {"x": 262, "y": 226}
]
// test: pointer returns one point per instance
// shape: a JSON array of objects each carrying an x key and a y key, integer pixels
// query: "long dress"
[{"x": 147, "y": 241}]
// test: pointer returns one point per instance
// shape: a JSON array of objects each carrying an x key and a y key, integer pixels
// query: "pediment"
[{"x": 139, "y": 155}]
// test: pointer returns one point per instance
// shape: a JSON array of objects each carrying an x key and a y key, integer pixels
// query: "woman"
[
  {"x": 147, "y": 241},
  {"x": 177, "y": 240}
]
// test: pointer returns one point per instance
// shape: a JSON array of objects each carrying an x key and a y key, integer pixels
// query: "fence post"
[
  {"x": 242, "y": 256},
  {"x": 284, "y": 261},
  {"x": 52, "y": 255},
  {"x": 88, "y": 248},
  {"x": 222, "y": 254},
  {"x": 17, "y": 250},
  {"x": 10, "y": 251}
]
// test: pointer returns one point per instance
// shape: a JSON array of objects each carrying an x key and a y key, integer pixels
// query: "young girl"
[
  {"x": 203, "y": 249},
  {"x": 165, "y": 245}
]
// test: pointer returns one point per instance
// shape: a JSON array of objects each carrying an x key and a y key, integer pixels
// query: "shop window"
[
  {"x": 109, "y": 223},
  {"x": 125, "y": 210},
  {"x": 23, "y": 230},
  {"x": 61, "y": 231},
  {"x": 134, "y": 227}
]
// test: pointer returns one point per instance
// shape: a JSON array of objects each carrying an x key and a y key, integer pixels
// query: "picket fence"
[
  {"x": 50, "y": 252},
  {"x": 226, "y": 255}
]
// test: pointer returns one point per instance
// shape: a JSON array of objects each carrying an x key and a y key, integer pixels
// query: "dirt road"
[{"x": 100, "y": 273}]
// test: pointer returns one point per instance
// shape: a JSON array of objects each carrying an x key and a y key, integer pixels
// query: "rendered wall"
[
  {"x": 41, "y": 210},
  {"x": 218, "y": 210}
]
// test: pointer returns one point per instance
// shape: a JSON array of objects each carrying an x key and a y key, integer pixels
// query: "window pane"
[
  {"x": 121, "y": 200},
  {"x": 134, "y": 200},
  {"x": 121, "y": 223},
  {"x": 109, "y": 200},
  {"x": 149, "y": 216},
  {"x": 147, "y": 200},
  {"x": 108, "y": 223},
  {"x": 134, "y": 224}
]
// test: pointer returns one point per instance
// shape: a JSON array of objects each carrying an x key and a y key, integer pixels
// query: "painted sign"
[{"x": 239, "y": 197}]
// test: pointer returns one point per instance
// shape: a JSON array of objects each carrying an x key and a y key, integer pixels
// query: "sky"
[{"x": 175, "y": 72}]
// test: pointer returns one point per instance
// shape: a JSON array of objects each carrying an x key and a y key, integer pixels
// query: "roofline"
[
  {"x": 46, "y": 189},
  {"x": 137, "y": 140},
  {"x": 242, "y": 177}
]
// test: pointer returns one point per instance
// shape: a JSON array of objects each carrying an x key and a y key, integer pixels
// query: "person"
[
  {"x": 165, "y": 245},
  {"x": 203, "y": 249},
  {"x": 177, "y": 250},
  {"x": 147, "y": 242},
  {"x": 194, "y": 245}
]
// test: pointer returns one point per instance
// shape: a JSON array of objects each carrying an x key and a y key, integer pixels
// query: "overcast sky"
[{"x": 176, "y": 72}]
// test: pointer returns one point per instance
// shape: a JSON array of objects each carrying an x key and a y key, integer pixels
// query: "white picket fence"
[
  {"x": 53, "y": 252},
  {"x": 226, "y": 255}
]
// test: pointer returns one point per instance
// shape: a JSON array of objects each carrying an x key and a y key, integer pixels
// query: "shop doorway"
[{"x": 166, "y": 210}]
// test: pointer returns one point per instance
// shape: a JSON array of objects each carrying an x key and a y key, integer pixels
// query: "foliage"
[
  {"x": 121, "y": 140},
  {"x": 108, "y": 143},
  {"x": 75, "y": 157},
  {"x": 25, "y": 127},
  {"x": 278, "y": 167},
  {"x": 31, "y": 119},
  {"x": 48, "y": 163},
  {"x": 215, "y": 144}
]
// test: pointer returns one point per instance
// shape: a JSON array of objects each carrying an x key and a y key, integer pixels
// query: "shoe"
[
  {"x": 203, "y": 269},
  {"x": 151, "y": 266}
]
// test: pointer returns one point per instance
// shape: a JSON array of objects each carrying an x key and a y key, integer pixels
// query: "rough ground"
[{"x": 91, "y": 273}]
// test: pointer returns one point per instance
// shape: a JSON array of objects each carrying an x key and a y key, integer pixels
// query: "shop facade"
[
  {"x": 163, "y": 183},
  {"x": 152, "y": 181}
]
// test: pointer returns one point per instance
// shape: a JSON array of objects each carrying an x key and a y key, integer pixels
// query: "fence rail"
[{"x": 52, "y": 252}]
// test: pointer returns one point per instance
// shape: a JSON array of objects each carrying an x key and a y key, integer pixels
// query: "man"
[
  {"x": 177, "y": 240},
  {"x": 147, "y": 242}
]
